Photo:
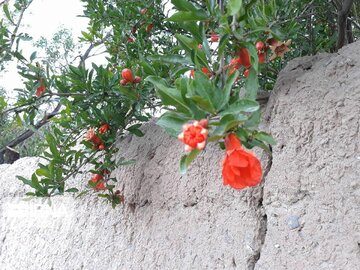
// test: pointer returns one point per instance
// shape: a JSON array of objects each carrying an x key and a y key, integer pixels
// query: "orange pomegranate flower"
[
  {"x": 97, "y": 179},
  {"x": 262, "y": 57},
  {"x": 245, "y": 57},
  {"x": 40, "y": 90},
  {"x": 206, "y": 71},
  {"x": 104, "y": 128},
  {"x": 91, "y": 136},
  {"x": 194, "y": 136},
  {"x": 241, "y": 168}
]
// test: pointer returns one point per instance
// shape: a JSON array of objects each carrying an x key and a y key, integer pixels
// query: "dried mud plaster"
[{"x": 304, "y": 215}]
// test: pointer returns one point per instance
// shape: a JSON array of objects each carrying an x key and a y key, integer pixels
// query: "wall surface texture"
[{"x": 305, "y": 214}]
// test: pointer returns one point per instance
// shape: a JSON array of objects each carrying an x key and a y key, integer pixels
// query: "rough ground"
[{"x": 305, "y": 215}]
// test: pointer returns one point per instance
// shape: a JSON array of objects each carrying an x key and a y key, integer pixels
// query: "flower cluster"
[
  {"x": 194, "y": 135},
  {"x": 95, "y": 139},
  {"x": 98, "y": 180},
  {"x": 128, "y": 77},
  {"x": 242, "y": 60},
  {"x": 241, "y": 168}
]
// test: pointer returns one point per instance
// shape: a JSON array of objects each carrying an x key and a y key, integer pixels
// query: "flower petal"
[{"x": 232, "y": 142}]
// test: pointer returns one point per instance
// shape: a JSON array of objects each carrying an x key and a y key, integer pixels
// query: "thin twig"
[{"x": 13, "y": 36}]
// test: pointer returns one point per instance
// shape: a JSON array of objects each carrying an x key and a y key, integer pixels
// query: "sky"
[{"x": 44, "y": 18}]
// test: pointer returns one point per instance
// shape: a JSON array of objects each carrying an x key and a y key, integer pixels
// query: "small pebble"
[{"x": 293, "y": 222}]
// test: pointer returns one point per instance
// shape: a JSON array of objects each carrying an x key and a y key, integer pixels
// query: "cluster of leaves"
[{"x": 162, "y": 50}]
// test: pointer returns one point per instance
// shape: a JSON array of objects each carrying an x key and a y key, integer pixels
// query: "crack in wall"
[{"x": 262, "y": 229}]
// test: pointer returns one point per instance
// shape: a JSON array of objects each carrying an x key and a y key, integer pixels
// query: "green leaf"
[
  {"x": 193, "y": 28},
  {"x": 224, "y": 41},
  {"x": 148, "y": 69},
  {"x": 184, "y": 5},
  {"x": 169, "y": 96},
  {"x": 24, "y": 180},
  {"x": 170, "y": 59},
  {"x": 183, "y": 16},
  {"x": 254, "y": 56},
  {"x": 35, "y": 183},
  {"x": 19, "y": 56},
  {"x": 72, "y": 190},
  {"x": 123, "y": 162},
  {"x": 244, "y": 105},
  {"x": 87, "y": 36},
  {"x": 187, "y": 159},
  {"x": 43, "y": 172},
  {"x": 7, "y": 13},
  {"x": 3, "y": 103},
  {"x": 265, "y": 137},
  {"x": 172, "y": 122},
  {"x": 225, "y": 94},
  {"x": 130, "y": 93},
  {"x": 252, "y": 85},
  {"x": 135, "y": 130},
  {"x": 52, "y": 145},
  {"x": 254, "y": 120},
  {"x": 187, "y": 43},
  {"x": 32, "y": 56},
  {"x": 190, "y": 45},
  {"x": 234, "y": 6},
  {"x": 226, "y": 123},
  {"x": 82, "y": 193},
  {"x": 202, "y": 91},
  {"x": 18, "y": 120}
]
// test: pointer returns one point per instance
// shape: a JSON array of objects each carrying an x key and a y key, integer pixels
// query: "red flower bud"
[
  {"x": 149, "y": 27},
  {"x": 101, "y": 147},
  {"x": 127, "y": 75},
  {"x": 104, "y": 128},
  {"x": 123, "y": 82},
  {"x": 204, "y": 123},
  {"x": 272, "y": 41},
  {"x": 259, "y": 45},
  {"x": 214, "y": 37},
  {"x": 137, "y": 79}
]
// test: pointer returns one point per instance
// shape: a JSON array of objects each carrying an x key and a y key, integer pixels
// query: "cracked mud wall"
[
  {"x": 170, "y": 221},
  {"x": 305, "y": 215},
  {"x": 312, "y": 192}
]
